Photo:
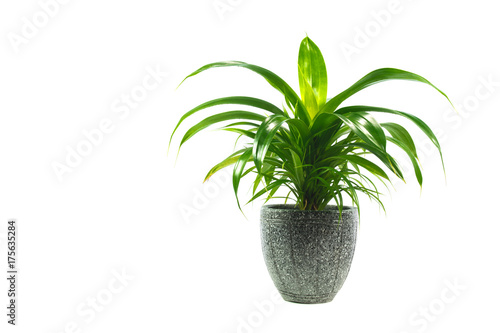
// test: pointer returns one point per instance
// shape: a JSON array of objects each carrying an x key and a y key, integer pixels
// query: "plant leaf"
[
  {"x": 417, "y": 121},
  {"x": 239, "y": 167},
  {"x": 366, "y": 127},
  {"x": 414, "y": 162},
  {"x": 401, "y": 134},
  {"x": 274, "y": 80},
  {"x": 297, "y": 166},
  {"x": 264, "y": 136},
  {"x": 308, "y": 97},
  {"x": 217, "y": 118},
  {"x": 269, "y": 187},
  {"x": 231, "y": 159},
  {"x": 376, "y": 76},
  {"x": 237, "y": 100},
  {"x": 363, "y": 162},
  {"x": 383, "y": 156},
  {"x": 312, "y": 72}
]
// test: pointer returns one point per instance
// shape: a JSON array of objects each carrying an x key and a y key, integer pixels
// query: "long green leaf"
[
  {"x": 414, "y": 162},
  {"x": 401, "y": 134},
  {"x": 264, "y": 136},
  {"x": 274, "y": 80},
  {"x": 235, "y": 100},
  {"x": 308, "y": 96},
  {"x": 417, "y": 121},
  {"x": 379, "y": 75},
  {"x": 312, "y": 72},
  {"x": 230, "y": 160},
  {"x": 217, "y": 118},
  {"x": 298, "y": 168},
  {"x": 239, "y": 167},
  {"x": 271, "y": 186},
  {"x": 363, "y": 162},
  {"x": 366, "y": 127},
  {"x": 383, "y": 156}
]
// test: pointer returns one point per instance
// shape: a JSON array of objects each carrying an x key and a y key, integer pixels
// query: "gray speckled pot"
[{"x": 308, "y": 253}]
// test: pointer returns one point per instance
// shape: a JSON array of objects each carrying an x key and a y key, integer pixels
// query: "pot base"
[{"x": 306, "y": 299}]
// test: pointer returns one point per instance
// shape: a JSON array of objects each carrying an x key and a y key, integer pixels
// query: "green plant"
[{"x": 311, "y": 146}]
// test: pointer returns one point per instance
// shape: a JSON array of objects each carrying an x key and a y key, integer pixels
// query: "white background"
[{"x": 122, "y": 209}]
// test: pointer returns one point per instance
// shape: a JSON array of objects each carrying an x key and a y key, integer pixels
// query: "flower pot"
[{"x": 308, "y": 253}]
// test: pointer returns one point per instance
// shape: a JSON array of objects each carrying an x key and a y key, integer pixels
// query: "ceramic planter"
[{"x": 308, "y": 253}]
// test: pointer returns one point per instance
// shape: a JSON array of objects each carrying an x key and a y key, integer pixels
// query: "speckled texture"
[{"x": 308, "y": 253}]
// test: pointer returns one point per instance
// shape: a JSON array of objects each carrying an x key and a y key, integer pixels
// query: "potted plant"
[{"x": 320, "y": 153}]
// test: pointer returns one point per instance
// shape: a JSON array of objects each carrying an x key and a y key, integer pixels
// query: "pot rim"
[{"x": 292, "y": 207}]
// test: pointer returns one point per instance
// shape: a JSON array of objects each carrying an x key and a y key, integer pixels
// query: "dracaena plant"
[{"x": 313, "y": 148}]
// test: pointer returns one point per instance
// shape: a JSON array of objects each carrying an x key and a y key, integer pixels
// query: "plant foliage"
[{"x": 316, "y": 150}]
